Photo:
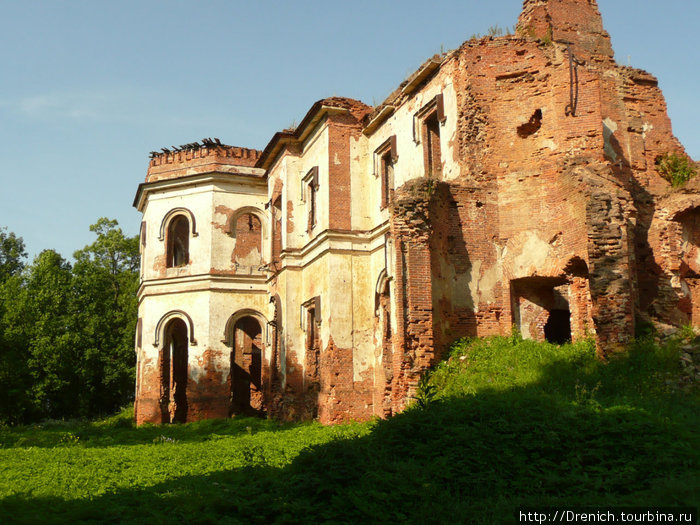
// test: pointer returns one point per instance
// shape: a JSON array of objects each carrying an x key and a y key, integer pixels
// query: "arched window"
[
  {"x": 178, "y": 242},
  {"x": 174, "y": 372}
]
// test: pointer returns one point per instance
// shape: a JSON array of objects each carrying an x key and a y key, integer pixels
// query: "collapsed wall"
[{"x": 557, "y": 149}]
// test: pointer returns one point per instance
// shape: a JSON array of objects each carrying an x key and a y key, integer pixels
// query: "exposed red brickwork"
[
  {"x": 248, "y": 251},
  {"x": 341, "y": 398},
  {"x": 208, "y": 396},
  {"x": 173, "y": 164},
  {"x": 414, "y": 349},
  {"x": 340, "y": 130},
  {"x": 576, "y": 21}
]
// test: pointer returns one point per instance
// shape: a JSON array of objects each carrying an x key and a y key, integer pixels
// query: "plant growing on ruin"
[
  {"x": 676, "y": 169},
  {"x": 548, "y": 37},
  {"x": 495, "y": 31},
  {"x": 426, "y": 392}
]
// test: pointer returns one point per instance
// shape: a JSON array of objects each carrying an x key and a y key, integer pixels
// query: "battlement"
[{"x": 195, "y": 158}]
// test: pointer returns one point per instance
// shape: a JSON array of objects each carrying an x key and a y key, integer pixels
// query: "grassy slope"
[{"x": 506, "y": 423}]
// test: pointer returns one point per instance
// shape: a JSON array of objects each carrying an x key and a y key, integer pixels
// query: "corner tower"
[{"x": 204, "y": 244}]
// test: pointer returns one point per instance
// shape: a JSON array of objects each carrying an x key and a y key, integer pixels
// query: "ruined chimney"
[{"x": 575, "y": 21}]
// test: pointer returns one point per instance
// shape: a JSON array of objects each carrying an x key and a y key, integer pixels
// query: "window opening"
[
  {"x": 384, "y": 159},
  {"x": 310, "y": 182},
  {"x": 178, "y": 242},
  {"x": 432, "y": 145},
  {"x": 387, "y": 349},
  {"x": 277, "y": 229},
  {"x": 312, "y": 358}
]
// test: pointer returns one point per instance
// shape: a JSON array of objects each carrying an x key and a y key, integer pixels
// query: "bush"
[{"x": 676, "y": 169}]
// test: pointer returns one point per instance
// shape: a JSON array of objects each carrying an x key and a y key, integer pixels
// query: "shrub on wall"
[{"x": 676, "y": 169}]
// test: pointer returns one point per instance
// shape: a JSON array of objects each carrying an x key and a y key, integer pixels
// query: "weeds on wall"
[
  {"x": 494, "y": 31},
  {"x": 676, "y": 169}
]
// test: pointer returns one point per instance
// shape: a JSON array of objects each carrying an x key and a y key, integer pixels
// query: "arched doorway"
[
  {"x": 173, "y": 373},
  {"x": 246, "y": 367}
]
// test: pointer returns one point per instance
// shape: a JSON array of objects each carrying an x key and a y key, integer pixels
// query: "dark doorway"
[
  {"x": 246, "y": 368},
  {"x": 173, "y": 373},
  {"x": 312, "y": 359},
  {"x": 558, "y": 327}
]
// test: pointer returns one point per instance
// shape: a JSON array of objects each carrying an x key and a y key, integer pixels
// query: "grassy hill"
[{"x": 502, "y": 423}]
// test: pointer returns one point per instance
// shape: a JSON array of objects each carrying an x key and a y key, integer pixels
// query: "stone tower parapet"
[{"x": 196, "y": 158}]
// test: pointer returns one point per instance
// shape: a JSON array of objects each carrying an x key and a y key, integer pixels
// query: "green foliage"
[
  {"x": 644, "y": 329},
  {"x": 426, "y": 392},
  {"x": 686, "y": 333},
  {"x": 12, "y": 254},
  {"x": 548, "y": 37},
  {"x": 512, "y": 423},
  {"x": 14, "y": 377},
  {"x": 66, "y": 331},
  {"x": 676, "y": 169}
]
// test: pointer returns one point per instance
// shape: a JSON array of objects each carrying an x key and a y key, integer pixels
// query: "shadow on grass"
[{"x": 463, "y": 459}]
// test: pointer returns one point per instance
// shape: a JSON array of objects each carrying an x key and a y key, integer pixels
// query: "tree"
[
  {"x": 54, "y": 347},
  {"x": 12, "y": 253},
  {"x": 14, "y": 375},
  {"x": 105, "y": 282},
  {"x": 67, "y": 331}
]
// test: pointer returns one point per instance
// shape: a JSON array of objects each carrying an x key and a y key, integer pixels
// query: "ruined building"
[{"x": 512, "y": 181}]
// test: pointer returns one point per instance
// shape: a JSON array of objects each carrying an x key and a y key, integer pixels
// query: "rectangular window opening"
[
  {"x": 309, "y": 190},
  {"x": 385, "y": 158},
  {"x": 432, "y": 146}
]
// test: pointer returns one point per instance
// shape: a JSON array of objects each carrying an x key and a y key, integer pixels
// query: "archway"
[
  {"x": 174, "y": 372},
  {"x": 541, "y": 310},
  {"x": 246, "y": 367}
]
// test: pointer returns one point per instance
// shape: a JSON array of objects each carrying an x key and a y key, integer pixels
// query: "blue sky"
[{"x": 88, "y": 88}]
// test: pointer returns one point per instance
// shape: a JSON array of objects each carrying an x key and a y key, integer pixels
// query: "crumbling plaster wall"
[
  {"x": 228, "y": 201},
  {"x": 198, "y": 200},
  {"x": 209, "y": 381}
]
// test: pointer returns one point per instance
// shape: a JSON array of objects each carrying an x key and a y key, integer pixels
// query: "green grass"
[{"x": 504, "y": 423}]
